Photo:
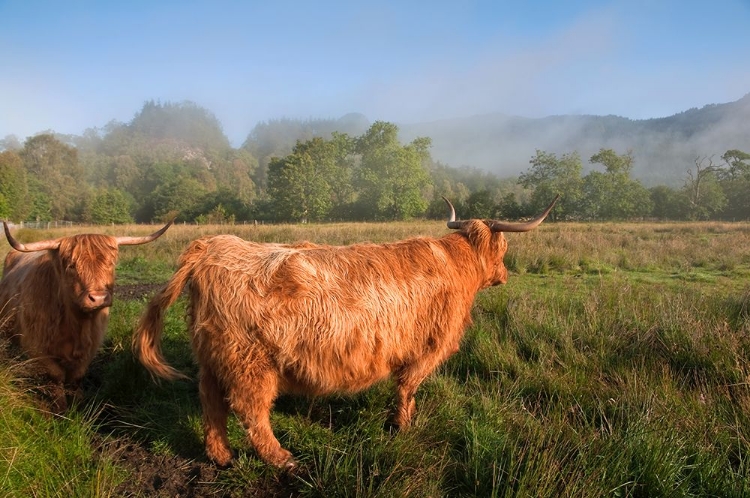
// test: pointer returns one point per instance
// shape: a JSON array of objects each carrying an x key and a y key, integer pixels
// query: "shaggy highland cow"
[
  {"x": 54, "y": 302},
  {"x": 266, "y": 319}
]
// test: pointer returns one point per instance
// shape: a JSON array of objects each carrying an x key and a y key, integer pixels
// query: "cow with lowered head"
[
  {"x": 55, "y": 297},
  {"x": 267, "y": 319}
]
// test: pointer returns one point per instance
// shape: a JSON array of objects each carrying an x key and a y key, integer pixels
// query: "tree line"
[{"x": 173, "y": 160}]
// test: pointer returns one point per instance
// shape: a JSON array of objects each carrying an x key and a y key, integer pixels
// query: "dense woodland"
[{"x": 173, "y": 159}]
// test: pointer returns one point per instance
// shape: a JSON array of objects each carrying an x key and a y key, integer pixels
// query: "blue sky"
[{"x": 68, "y": 66}]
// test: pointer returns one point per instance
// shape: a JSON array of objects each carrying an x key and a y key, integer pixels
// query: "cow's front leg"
[
  {"x": 54, "y": 386},
  {"x": 408, "y": 380},
  {"x": 74, "y": 391},
  {"x": 58, "y": 403}
]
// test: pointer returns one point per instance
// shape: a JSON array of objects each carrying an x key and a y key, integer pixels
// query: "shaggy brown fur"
[
  {"x": 54, "y": 303},
  {"x": 270, "y": 319}
]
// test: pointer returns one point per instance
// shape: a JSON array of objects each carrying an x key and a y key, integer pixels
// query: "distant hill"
[{"x": 664, "y": 148}]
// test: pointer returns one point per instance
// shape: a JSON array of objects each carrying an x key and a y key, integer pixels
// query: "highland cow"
[
  {"x": 54, "y": 302},
  {"x": 266, "y": 319}
]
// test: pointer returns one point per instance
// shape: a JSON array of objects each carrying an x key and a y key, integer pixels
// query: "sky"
[{"x": 69, "y": 66}]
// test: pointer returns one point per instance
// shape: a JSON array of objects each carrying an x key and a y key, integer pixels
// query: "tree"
[
  {"x": 297, "y": 192},
  {"x": 184, "y": 122},
  {"x": 308, "y": 183},
  {"x": 509, "y": 208},
  {"x": 222, "y": 206},
  {"x": 277, "y": 138},
  {"x": 613, "y": 194},
  {"x": 14, "y": 199},
  {"x": 391, "y": 177},
  {"x": 176, "y": 198},
  {"x": 110, "y": 205},
  {"x": 53, "y": 173},
  {"x": 549, "y": 176},
  {"x": 236, "y": 176},
  {"x": 735, "y": 183},
  {"x": 668, "y": 204},
  {"x": 479, "y": 205},
  {"x": 702, "y": 191}
]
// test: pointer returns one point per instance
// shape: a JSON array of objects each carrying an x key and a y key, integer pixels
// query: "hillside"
[{"x": 664, "y": 148}]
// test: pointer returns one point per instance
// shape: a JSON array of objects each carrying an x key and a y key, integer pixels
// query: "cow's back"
[{"x": 331, "y": 318}]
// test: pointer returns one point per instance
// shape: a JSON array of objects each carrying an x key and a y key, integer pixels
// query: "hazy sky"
[{"x": 72, "y": 65}]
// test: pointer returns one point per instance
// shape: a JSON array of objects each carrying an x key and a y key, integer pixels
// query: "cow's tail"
[{"x": 147, "y": 337}]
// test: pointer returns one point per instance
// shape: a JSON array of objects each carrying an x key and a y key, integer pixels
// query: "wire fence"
[{"x": 43, "y": 224}]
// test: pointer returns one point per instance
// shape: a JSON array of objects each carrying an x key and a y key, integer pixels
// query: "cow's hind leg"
[
  {"x": 408, "y": 380},
  {"x": 251, "y": 395},
  {"x": 215, "y": 415}
]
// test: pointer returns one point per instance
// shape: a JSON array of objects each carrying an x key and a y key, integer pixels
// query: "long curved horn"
[
  {"x": 501, "y": 226},
  {"x": 132, "y": 241},
  {"x": 42, "y": 245},
  {"x": 452, "y": 223}
]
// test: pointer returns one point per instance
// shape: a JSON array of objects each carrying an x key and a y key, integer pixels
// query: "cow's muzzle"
[{"x": 96, "y": 300}]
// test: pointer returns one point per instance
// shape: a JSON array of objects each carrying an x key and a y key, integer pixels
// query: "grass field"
[{"x": 615, "y": 362}]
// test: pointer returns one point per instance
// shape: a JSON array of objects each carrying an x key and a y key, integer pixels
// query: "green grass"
[
  {"x": 42, "y": 455},
  {"x": 615, "y": 362}
]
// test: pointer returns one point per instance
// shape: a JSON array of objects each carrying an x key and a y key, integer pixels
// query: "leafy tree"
[
  {"x": 702, "y": 191},
  {"x": 339, "y": 170},
  {"x": 187, "y": 182},
  {"x": 735, "y": 183},
  {"x": 216, "y": 216},
  {"x": 479, "y": 205},
  {"x": 14, "y": 199},
  {"x": 667, "y": 203},
  {"x": 509, "y": 208},
  {"x": 110, "y": 205},
  {"x": 184, "y": 122},
  {"x": 549, "y": 176},
  {"x": 40, "y": 203},
  {"x": 297, "y": 192},
  {"x": 456, "y": 192},
  {"x": 309, "y": 182},
  {"x": 613, "y": 194},
  {"x": 391, "y": 178},
  {"x": 54, "y": 171},
  {"x": 176, "y": 198},
  {"x": 236, "y": 176},
  {"x": 222, "y": 202},
  {"x": 277, "y": 137}
]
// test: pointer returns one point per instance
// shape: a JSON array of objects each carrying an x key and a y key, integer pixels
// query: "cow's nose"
[{"x": 100, "y": 299}]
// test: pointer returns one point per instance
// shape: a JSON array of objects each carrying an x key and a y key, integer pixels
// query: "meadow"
[{"x": 614, "y": 362}]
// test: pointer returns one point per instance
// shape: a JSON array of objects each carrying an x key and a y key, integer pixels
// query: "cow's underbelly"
[{"x": 332, "y": 376}]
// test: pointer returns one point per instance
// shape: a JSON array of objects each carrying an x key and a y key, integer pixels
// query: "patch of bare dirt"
[
  {"x": 157, "y": 475},
  {"x": 160, "y": 475},
  {"x": 136, "y": 291}
]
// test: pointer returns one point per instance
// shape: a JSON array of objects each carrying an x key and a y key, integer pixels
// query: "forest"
[{"x": 173, "y": 160}]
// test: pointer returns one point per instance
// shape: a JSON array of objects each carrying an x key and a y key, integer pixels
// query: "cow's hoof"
[
  {"x": 290, "y": 465},
  {"x": 222, "y": 458}
]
